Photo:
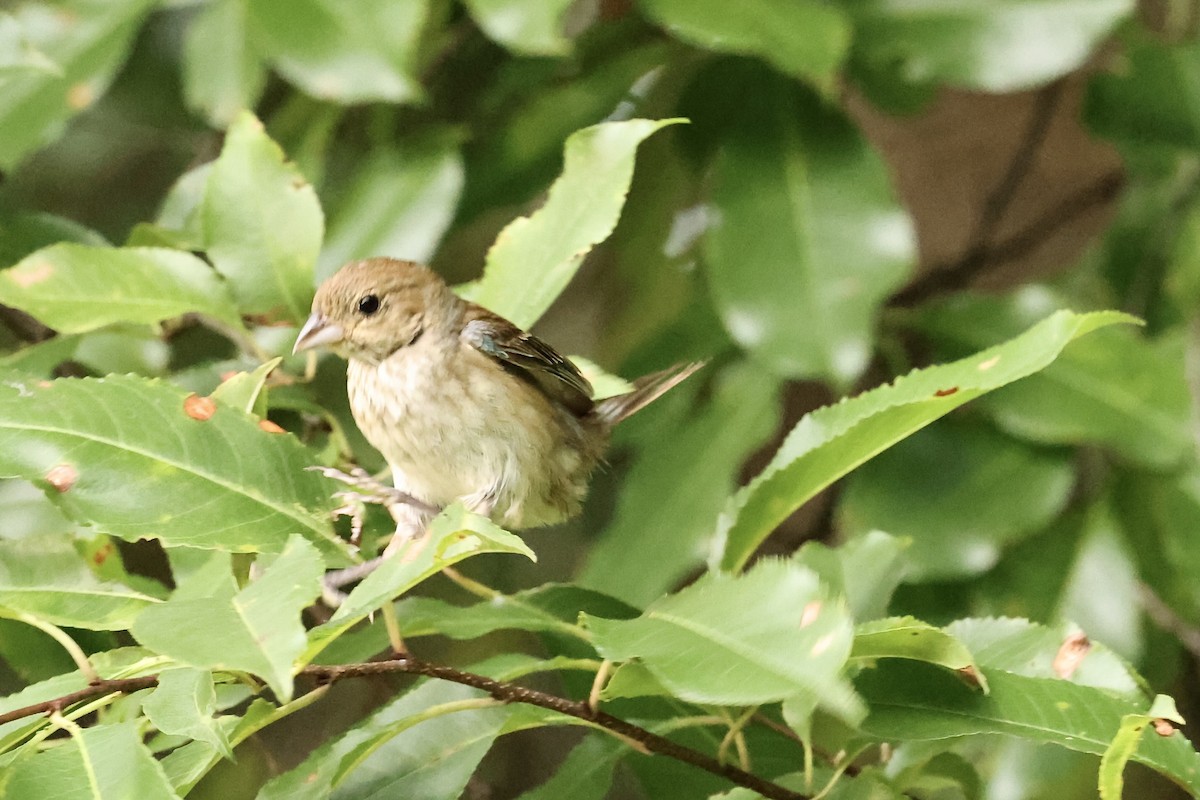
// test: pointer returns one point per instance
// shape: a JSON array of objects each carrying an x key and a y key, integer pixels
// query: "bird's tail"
[{"x": 646, "y": 390}]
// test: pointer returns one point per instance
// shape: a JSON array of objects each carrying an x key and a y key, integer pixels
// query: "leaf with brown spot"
[
  {"x": 62, "y": 477},
  {"x": 199, "y": 408},
  {"x": 1074, "y": 649}
]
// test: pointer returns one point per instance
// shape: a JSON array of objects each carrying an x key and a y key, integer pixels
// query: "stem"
[
  {"x": 640, "y": 738},
  {"x": 59, "y": 635}
]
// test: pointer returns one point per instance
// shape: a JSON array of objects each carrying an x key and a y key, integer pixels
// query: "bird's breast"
[{"x": 453, "y": 427}]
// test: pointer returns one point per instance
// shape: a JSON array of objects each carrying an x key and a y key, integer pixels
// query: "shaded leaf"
[
  {"x": 87, "y": 42},
  {"x": 398, "y": 204},
  {"x": 223, "y": 73},
  {"x": 809, "y": 240},
  {"x": 145, "y": 469},
  {"x": 908, "y": 637},
  {"x": 262, "y": 224},
  {"x": 990, "y": 491},
  {"x": 995, "y": 47},
  {"x": 708, "y": 448},
  {"x": 257, "y": 630},
  {"x": 104, "y": 762},
  {"x": 831, "y": 441},
  {"x": 346, "y": 53},
  {"x": 585, "y": 774},
  {"x": 528, "y": 27},
  {"x": 535, "y": 257},
  {"x": 44, "y": 576},
  {"x": 803, "y": 38}
]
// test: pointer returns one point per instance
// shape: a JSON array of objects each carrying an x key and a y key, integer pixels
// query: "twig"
[
  {"x": 504, "y": 692},
  {"x": 1165, "y": 617},
  {"x": 948, "y": 277},
  {"x": 999, "y": 199}
]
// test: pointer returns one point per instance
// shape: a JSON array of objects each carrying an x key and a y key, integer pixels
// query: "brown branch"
[
  {"x": 123, "y": 685},
  {"x": 505, "y": 692},
  {"x": 981, "y": 253},
  {"x": 948, "y": 277}
]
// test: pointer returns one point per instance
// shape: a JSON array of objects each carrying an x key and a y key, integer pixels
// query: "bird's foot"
[{"x": 365, "y": 490}]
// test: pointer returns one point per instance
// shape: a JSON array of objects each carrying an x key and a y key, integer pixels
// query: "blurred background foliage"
[{"x": 864, "y": 186}]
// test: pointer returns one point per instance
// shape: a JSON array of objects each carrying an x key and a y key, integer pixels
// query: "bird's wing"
[{"x": 529, "y": 357}]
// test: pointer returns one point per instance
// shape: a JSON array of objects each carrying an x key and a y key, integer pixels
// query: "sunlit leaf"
[
  {"x": 76, "y": 288},
  {"x": 257, "y": 629},
  {"x": 737, "y": 640},
  {"x": 141, "y": 458},
  {"x": 535, "y": 257},
  {"x": 262, "y": 224},
  {"x": 831, "y": 441}
]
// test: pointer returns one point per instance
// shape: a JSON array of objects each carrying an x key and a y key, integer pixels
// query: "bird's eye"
[{"x": 368, "y": 305}]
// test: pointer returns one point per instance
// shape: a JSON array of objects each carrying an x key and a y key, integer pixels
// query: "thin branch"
[
  {"x": 504, "y": 692},
  {"x": 1000, "y": 199},
  {"x": 982, "y": 253},
  {"x": 1162, "y": 615},
  {"x": 948, "y": 277}
]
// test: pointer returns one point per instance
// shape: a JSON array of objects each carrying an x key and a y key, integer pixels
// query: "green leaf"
[
  {"x": 183, "y": 705},
  {"x": 87, "y": 41},
  {"x": 1102, "y": 590},
  {"x": 77, "y": 288},
  {"x": 1029, "y": 649},
  {"x": 1125, "y": 744},
  {"x": 1150, "y": 100},
  {"x": 127, "y": 458},
  {"x": 223, "y": 73},
  {"x": 123, "y": 662},
  {"x": 993, "y": 47},
  {"x": 676, "y": 490},
  {"x": 585, "y": 774},
  {"x": 398, "y": 204},
  {"x": 803, "y": 38},
  {"x": 104, "y": 762},
  {"x": 346, "y": 53},
  {"x": 40, "y": 359},
  {"x": 23, "y": 232},
  {"x": 411, "y": 747},
  {"x": 527, "y": 27},
  {"x": 244, "y": 390},
  {"x": 866, "y": 569},
  {"x": 257, "y": 630},
  {"x": 809, "y": 240},
  {"x": 992, "y": 490},
  {"x": 737, "y": 640},
  {"x": 535, "y": 257},
  {"x": 911, "y": 702},
  {"x": 831, "y": 441},
  {"x": 1116, "y": 388},
  {"x": 44, "y": 576},
  {"x": 908, "y": 637},
  {"x": 262, "y": 224},
  {"x": 454, "y": 535}
]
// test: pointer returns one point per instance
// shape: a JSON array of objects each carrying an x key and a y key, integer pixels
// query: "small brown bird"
[{"x": 463, "y": 404}]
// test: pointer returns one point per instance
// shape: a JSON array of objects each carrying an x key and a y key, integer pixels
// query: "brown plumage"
[{"x": 463, "y": 404}]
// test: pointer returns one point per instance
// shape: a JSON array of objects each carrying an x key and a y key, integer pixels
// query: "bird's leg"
[
  {"x": 410, "y": 514},
  {"x": 365, "y": 490}
]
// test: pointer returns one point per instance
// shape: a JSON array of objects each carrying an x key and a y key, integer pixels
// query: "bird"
[{"x": 464, "y": 405}]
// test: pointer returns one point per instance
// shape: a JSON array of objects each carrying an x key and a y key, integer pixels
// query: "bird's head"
[{"x": 370, "y": 309}]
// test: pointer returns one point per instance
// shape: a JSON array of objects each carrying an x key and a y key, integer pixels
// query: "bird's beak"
[{"x": 317, "y": 332}]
